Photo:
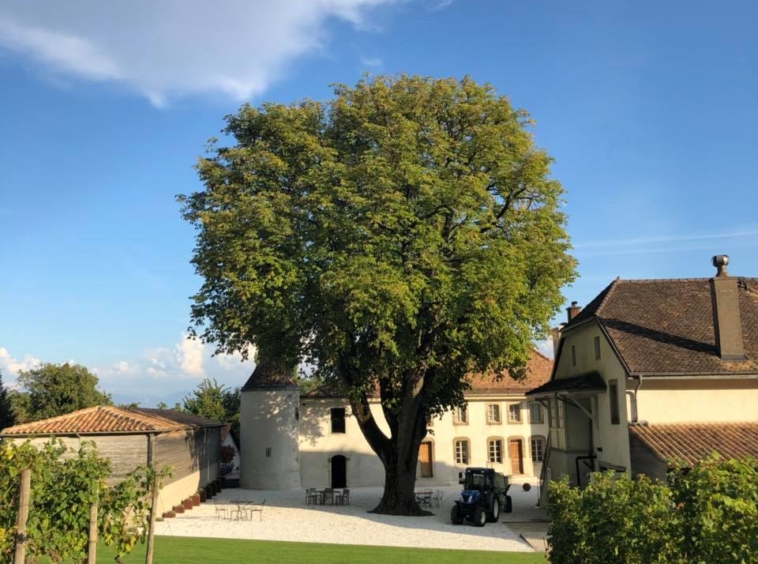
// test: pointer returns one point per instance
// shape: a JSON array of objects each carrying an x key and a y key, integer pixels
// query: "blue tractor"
[{"x": 484, "y": 495}]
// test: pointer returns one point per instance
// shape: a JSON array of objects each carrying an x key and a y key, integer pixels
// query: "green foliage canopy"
[
  {"x": 214, "y": 401},
  {"x": 55, "y": 389},
  {"x": 64, "y": 484},
  {"x": 706, "y": 514},
  {"x": 397, "y": 237}
]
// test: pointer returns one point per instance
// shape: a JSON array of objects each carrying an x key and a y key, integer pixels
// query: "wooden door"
[
  {"x": 425, "y": 460},
  {"x": 516, "y": 454}
]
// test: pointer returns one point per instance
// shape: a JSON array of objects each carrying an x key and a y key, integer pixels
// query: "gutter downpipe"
[{"x": 633, "y": 397}]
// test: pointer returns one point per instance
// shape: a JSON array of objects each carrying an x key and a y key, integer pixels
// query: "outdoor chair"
[
  {"x": 343, "y": 498},
  {"x": 437, "y": 499},
  {"x": 257, "y": 509},
  {"x": 328, "y": 496},
  {"x": 311, "y": 497},
  {"x": 221, "y": 509}
]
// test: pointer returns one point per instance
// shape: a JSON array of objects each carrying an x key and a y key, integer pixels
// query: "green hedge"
[{"x": 706, "y": 514}]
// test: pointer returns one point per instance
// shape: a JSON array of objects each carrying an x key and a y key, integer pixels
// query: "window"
[
  {"x": 493, "y": 413},
  {"x": 573, "y": 355},
  {"x": 460, "y": 416},
  {"x": 461, "y": 451},
  {"x": 556, "y": 413},
  {"x": 535, "y": 413},
  {"x": 338, "y": 420},
  {"x": 538, "y": 449},
  {"x": 613, "y": 396},
  {"x": 495, "y": 447},
  {"x": 596, "y": 340},
  {"x": 514, "y": 413}
]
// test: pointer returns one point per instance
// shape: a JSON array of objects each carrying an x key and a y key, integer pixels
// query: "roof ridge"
[
  {"x": 658, "y": 280},
  {"x": 613, "y": 285}
]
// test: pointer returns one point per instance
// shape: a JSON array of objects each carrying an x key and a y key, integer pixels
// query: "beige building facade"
[
  {"x": 314, "y": 441},
  {"x": 652, "y": 371}
]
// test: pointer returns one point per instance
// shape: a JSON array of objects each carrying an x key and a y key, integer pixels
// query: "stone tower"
[{"x": 269, "y": 430}]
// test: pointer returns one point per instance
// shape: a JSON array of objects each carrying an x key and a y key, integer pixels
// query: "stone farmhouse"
[
  {"x": 652, "y": 371},
  {"x": 291, "y": 440}
]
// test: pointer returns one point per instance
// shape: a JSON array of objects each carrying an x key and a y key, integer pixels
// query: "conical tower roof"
[{"x": 269, "y": 375}]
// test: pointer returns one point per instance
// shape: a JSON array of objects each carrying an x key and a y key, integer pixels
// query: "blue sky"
[{"x": 649, "y": 109}]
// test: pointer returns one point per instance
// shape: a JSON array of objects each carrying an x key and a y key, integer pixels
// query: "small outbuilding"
[{"x": 138, "y": 436}]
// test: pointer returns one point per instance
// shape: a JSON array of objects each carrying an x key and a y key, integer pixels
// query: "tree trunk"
[
  {"x": 399, "y": 497},
  {"x": 399, "y": 454}
]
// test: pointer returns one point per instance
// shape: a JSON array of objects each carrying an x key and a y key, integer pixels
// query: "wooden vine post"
[
  {"x": 92, "y": 547},
  {"x": 153, "y": 510},
  {"x": 23, "y": 516}
]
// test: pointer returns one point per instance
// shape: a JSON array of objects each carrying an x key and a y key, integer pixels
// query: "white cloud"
[
  {"x": 175, "y": 47},
  {"x": 441, "y": 5},
  {"x": 11, "y": 366},
  {"x": 189, "y": 353},
  {"x": 372, "y": 62}
]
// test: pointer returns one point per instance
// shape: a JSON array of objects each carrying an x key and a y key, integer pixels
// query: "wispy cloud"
[
  {"x": 655, "y": 239},
  {"x": 440, "y": 5},
  {"x": 372, "y": 62},
  {"x": 11, "y": 366},
  {"x": 168, "y": 49}
]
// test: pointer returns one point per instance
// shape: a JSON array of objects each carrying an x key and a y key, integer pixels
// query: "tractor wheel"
[
  {"x": 455, "y": 515},
  {"x": 494, "y": 514},
  {"x": 508, "y": 504},
  {"x": 480, "y": 517}
]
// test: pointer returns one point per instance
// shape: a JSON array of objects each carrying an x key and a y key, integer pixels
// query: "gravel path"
[{"x": 287, "y": 518}]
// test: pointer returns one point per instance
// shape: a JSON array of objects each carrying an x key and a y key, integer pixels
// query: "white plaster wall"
[
  {"x": 611, "y": 442},
  {"x": 268, "y": 420},
  {"x": 698, "y": 400},
  {"x": 318, "y": 443}
]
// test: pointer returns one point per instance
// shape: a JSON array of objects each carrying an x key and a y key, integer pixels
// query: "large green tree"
[
  {"x": 397, "y": 237},
  {"x": 55, "y": 389},
  {"x": 214, "y": 401}
]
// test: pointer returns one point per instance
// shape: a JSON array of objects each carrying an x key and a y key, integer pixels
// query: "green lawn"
[{"x": 170, "y": 550}]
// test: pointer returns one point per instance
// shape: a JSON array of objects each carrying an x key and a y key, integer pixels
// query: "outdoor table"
[
  {"x": 242, "y": 508},
  {"x": 424, "y": 498}
]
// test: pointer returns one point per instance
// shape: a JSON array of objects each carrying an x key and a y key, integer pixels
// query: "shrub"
[
  {"x": 64, "y": 485},
  {"x": 718, "y": 502},
  {"x": 706, "y": 514}
]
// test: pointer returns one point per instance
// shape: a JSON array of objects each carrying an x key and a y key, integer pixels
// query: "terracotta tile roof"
[
  {"x": 538, "y": 370},
  {"x": 103, "y": 420},
  {"x": 693, "y": 441},
  {"x": 666, "y": 326},
  {"x": 591, "y": 381},
  {"x": 180, "y": 417}
]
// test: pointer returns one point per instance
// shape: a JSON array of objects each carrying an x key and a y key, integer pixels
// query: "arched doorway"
[{"x": 339, "y": 471}]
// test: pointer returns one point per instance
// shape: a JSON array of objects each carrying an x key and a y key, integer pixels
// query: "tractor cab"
[{"x": 484, "y": 494}]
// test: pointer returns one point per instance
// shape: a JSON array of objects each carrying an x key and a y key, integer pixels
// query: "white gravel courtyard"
[{"x": 287, "y": 518}]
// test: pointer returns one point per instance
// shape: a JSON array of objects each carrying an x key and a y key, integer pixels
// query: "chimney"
[
  {"x": 727, "y": 324},
  {"x": 556, "y": 334},
  {"x": 573, "y": 311}
]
